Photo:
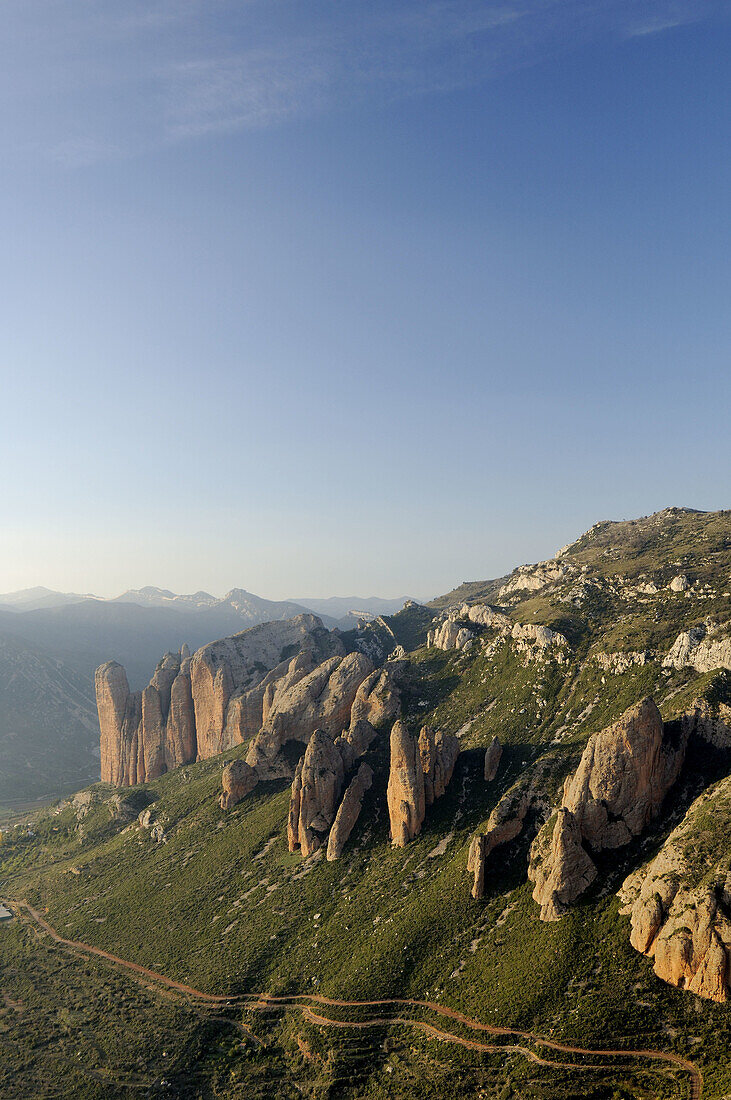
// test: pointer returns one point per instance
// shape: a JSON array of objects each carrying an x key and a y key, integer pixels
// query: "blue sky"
[{"x": 321, "y": 298}]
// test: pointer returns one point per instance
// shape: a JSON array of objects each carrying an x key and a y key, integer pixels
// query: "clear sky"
[{"x": 320, "y": 298}]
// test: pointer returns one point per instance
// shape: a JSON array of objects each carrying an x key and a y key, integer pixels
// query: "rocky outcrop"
[
  {"x": 233, "y": 666},
  {"x": 680, "y": 904},
  {"x": 476, "y": 862},
  {"x": 378, "y": 698},
  {"x": 405, "y": 793},
  {"x": 619, "y": 663},
  {"x": 420, "y": 771},
  {"x": 704, "y": 648},
  {"x": 238, "y": 780},
  {"x": 624, "y": 773},
  {"x": 504, "y": 824},
  {"x": 560, "y": 867},
  {"x": 322, "y": 699},
  {"x": 316, "y": 789},
  {"x": 349, "y": 811},
  {"x": 355, "y": 741},
  {"x": 711, "y": 724},
  {"x": 143, "y": 734},
  {"x": 532, "y": 578},
  {"x": 538, "y": 642},
  {"x": 493, "y": 755},
  {"x": 483, "y": 615},
  {"x": 197, "y": 707},
  {"x": 438, "y": 753},
  {"x": 450, "y": 634}
]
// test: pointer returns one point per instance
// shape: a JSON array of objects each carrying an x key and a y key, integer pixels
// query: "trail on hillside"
[{"x": 304, "y": 1001}]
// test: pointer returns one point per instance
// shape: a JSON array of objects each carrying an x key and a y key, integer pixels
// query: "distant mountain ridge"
[{"x": 249, "y": 605}]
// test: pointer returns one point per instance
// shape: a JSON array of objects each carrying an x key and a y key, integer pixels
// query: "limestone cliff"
[
  {"x": 197, "y": 707},
  {"x": 680, "y": 904},
  {"x": 624, "y": 773},
  {"x": 420, "y": 772},
  {"x": 316, "y": 789},
  {"x": 349, "y": 811},
  {"x": 143, "y": 734}
]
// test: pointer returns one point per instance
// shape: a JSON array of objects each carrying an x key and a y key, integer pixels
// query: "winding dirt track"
[{"x": 304, "y": 1001}]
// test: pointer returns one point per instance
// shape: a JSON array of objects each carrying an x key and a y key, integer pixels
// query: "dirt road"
[{"x": 304, "y": 1001}]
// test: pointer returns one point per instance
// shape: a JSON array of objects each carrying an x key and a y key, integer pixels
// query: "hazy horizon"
[{"x": 356, "y": 297}]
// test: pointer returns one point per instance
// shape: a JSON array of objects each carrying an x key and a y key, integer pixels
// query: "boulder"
[
  {"x": 238, "y": 780},
  {"x": 493, "y": 756}
]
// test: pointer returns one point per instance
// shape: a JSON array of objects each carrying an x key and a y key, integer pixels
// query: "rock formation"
[
  {"x": 493, "y": 756},
  {"x": 711, "y": 724},
  {"x": 420, "y": 773},
  {"x": 378, "y": 698},
  {"x": 197, "y": 707},
  {"x": 143, "y": 734},
  {"x": 322, "y": 699},
  {"x": 560, "y": 867},
  {"x": 316, "y": 789},
  {"x": 703, "y": 648},
  {"x": 233, "y": 666},
  {"x": 438, "y": 753},
  {"x": 450, "y": 635},
  {"x": 238, "y": 780},
  {"x": 476, "y": 862},
  {"x": 405, "y": 794},
  {"x": 348, "y": 811},
  {"x": 532, "y": 578},
  {"x": 624, "y": 773},
  {"x": 504, "y": 824},
  {"x": 680, "y": 904}
]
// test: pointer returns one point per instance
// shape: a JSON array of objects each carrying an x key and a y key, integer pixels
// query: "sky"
[{"x": 334, "y": 297}]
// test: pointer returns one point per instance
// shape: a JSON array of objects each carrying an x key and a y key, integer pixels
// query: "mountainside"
[
  {"x": 48, "y": 724},
  {"x": 444, "y": 811}
]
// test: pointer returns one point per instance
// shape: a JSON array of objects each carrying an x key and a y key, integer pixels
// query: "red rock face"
[
  {"x": 406, "y": 799},
  {"x": 143, "y": 734},
  {"x": 316, "y": 790},
  {"x": 196, "y": 707},
  {"x": 624, "y": 773}
]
